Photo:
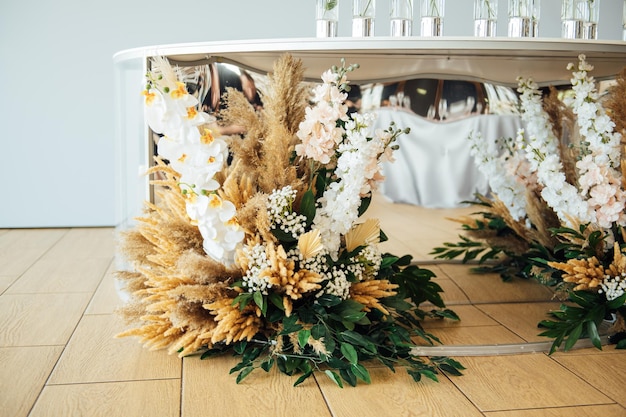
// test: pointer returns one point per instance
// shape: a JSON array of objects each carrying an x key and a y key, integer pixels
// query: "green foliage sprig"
[{"x": 350, "y": 336}]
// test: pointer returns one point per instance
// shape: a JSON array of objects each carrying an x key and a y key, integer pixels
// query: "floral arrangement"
[
  {"x": 259, "y": 245},
  {"x": 558, "y": 207}
]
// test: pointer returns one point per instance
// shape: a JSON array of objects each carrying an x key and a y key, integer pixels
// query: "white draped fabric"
[{"x": 433, "y": 167}]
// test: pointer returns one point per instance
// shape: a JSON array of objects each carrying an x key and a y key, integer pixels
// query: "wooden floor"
[{"x": 58, "y": 356}]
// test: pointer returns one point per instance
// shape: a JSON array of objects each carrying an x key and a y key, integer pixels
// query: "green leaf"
[
  {"x": 573, "y": 337},
  {"x": 365, "y": 203},
  {"x": 307, "y": 206},
  {"x": 617, "y": 302},
  {"x": 355, "y": 338},
  {"x": 259, "y": 300},
  {"x": 348, "y": 324},
  {"x": 303, "y": 337},
  {"x": 291, "y": 364},
  {"x": 238, "y": 367},
  {"x": 267, "y": 364},
  {"x": 251, "y": 354},
  {"x": 348, "y": 376},
  {"x": 240, "y": 347},
  {"x": 277, "y": 300},
  {"x": 290, "y": 325},
  {"x": 211, "y": 353},
  {"x": 330, "y": 344},
  {"x": 302, "y": 378},
  {"x": 388, "y": 261},
  {"x": 334, "y": 377},
  {"x": 355, "y": 317},
  {"x": 244, "y": 373},
  {"x": 429, "y": 374},
  {"x": 242, "y": 299},
  {"x": 446, "y": 314},
  {"x": 318, "y": 331},
  {"x": 361, "y": 372},
  {"x": 329, "y": 300},
  {"x": 349, "y": 352},
  {"x": 397, "y": 303},
  {"x": 592, "y": 331},
  {"x": 449, "y": 369}
]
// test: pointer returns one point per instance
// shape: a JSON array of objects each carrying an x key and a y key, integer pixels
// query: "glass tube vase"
[
  {"x": 579, "y": 19},
  {"x": 485, "y": 17},
  {"x": 524, "y": 18},
  {"x": 363, "y": 14},
  {"x": 431, "y": 20},
  {"x": 326, "y": 18},
  {"x": 401, "y": 17},
  {"x": 624, "y": 21}
]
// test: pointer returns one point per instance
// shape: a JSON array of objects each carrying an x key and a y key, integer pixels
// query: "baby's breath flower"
[
  {"x": 338, "y": 283},
  {"x": 613, "y": 287},
  {"x": 282, "y": 216},
  {"x": 257, "y": 262}
]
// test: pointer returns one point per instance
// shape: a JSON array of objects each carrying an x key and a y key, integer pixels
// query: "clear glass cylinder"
[
  {"x": 624, "y": 21},
  {"x": 431, "y": 21},
  {"x": 326, "y": 18},
  {"x": 363, "y": 14},
  {"x": 524, "y": 18},
  {"x": 401, "y": 17},
  {"x": 485, "y": 17},
  {"x": 579, "y": 19}
]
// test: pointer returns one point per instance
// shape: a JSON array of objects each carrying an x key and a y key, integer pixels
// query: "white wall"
[{"x": 57, "y": 90}]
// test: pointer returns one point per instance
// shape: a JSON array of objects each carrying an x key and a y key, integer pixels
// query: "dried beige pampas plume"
[
  {"x": 371, "y": 291},
  {"x": 173, "y": 277},
  {"x": 283, "y": 277},
  {"x": 563, "y": 122},
  {"x": 499, "y": 209},
  {"x": 233, "y": 323},
  {"x": 283, "y": 111},
  {"x": 585, "y": 273},
  {"x": 618, "y": 266},
  {"x": 266, "y": 150},
  {"x": 543, "y": 219}
]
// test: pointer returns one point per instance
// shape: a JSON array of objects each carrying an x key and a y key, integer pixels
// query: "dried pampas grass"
[
  {"x": 181, "y": 298},
  {"x": 615, "y": 104}
]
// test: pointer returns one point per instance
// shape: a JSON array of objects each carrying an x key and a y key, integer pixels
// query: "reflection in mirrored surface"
[{"x": 433, "y": 167}]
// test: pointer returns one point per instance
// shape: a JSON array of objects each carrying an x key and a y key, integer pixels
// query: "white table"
[{"x": 433, "y": 167}]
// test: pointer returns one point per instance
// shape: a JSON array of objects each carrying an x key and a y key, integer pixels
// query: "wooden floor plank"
[
  {"x": 94, "y": 355},
  {"x": 611, "y": 410},
  {"x": 156, "y": 398},
  {"x": 40, "y": 319},
  {"x": 82, "y": 243},
  {"x": 489, "y": 288},
  {"x": 23, "y": 373},
  {"x": 477, "y": 335},
  {"x": 523, "y": 381},
  {"x": 63, "y": 275},
  {"x": 608, "y": 372},
  {"x": 396, "y": 394},
  {"x": 522, "y": 318},
  {"x": 106, "y": 299},
  {"x": 208, "y": 387},
  {"x": 6, "y": 281},
  {"x": 20, "y": 248}
]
